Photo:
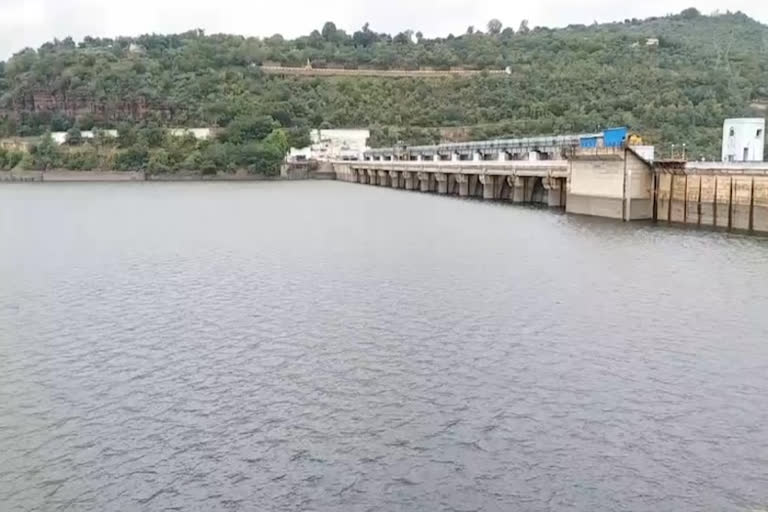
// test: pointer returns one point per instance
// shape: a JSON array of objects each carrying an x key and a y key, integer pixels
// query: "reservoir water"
[{"x": 324, "y": 346}]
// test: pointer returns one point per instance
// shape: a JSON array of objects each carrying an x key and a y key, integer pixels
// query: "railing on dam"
[
  {"x": 552, "y": 146},
  {"x": 542, "y": 168}
]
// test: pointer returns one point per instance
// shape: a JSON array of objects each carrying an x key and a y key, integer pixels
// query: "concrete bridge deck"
[{"x": 541, "y": 168}]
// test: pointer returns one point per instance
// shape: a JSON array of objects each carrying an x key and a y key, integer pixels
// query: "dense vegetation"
[
  {"x": 256, "y": 145},
  {"x": 704, "y": 69}
]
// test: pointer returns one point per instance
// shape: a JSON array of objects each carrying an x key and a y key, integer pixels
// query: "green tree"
[
  {"x": 192, "y": 162},
  {"x": 159, "y": 162},
  {"x": 261, "y": 158},
  {"x": 218, "y": 156},
  {"x": 135, "y": 158},
  {"x": 46, "y": 154},
  {"x": 690, "y": 13},
  {"x": 298, "y": 137},
  {"x": 74, "y": 135},
  {"x": 12, "y": 159},
  {"x": 248, "y": 128},
  {"x": 279, "y": 140},
  {"x": 329, "y": 31},
  {"x": 155, "y": 135},
  {"x": 127, "y": 135},
  {"x": 81, "y": 159},
  {"x": 494, "y": 27}
]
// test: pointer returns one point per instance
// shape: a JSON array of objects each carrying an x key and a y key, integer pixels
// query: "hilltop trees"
[
  {"x": 570, "y": 79},
  {"x": 494, "y": 27},
  {"x": 365, "y": 37},
  {"x": 690, "y": 13}
]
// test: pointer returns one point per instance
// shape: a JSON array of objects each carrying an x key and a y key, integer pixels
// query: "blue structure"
[
  {"x": 614, "y": 137},
  {"x": 611, "y": 137}
]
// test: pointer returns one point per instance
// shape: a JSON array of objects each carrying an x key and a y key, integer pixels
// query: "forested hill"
[{"x": 704, "y": 68}]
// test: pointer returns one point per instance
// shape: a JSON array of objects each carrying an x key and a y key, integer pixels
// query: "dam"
[{"x": 601, "y": 174}]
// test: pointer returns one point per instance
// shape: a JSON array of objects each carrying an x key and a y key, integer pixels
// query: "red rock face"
[{"x": 76, "y": 106}]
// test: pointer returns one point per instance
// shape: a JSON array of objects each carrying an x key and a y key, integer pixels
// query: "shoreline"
[{"x": 64, "y": 176}]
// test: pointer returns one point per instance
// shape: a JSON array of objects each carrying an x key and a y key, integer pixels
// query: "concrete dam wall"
[
  {"x": 714, "y": 195},
  {"x": 617, "y": 184},
  {"x": 613, "y": 183}
]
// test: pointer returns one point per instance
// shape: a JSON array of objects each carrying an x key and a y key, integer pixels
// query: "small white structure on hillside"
[
  {"x": 333, "y": 145},
  {"x": 61, "y": 137},
  {"x": 743, "y": 140},
  {"x": 199, "y": 133}
]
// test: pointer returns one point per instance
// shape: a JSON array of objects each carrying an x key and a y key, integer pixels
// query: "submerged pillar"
[
  {"x": 383, "y": 178},
  {"x": 552, "y": 191},
  {"x": 489, "y": 186},
  {"x": 373, "y": 177},
  {"x": 424, "y": 181},
  {"x": 394, "y": 179},
  {"x": 518, "y": 189},
  {"x": 442, "y": 182},
  {"x": 474, "y": 181},
  {"x": 463, "y": 181},
  {"x": 410, "y": 180}
]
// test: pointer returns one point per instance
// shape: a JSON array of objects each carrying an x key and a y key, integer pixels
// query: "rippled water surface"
[{"x": 326, "y": 346}]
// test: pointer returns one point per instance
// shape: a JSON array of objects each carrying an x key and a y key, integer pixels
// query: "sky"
[{"x": 26, "y": 23}]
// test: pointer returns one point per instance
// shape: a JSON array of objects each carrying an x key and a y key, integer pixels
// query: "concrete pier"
[
  {"x": 518, "y": 189},
  {"x": 489, "y": 186},
  {"x": 442, "y": 182},
  {"x": 411, "y": 180},
  {"x": 425, "y": 181},
  {"x": 394, "y": 179},
  {"x": 553, "y": 190},
  {"x": 462, "y": 181}
]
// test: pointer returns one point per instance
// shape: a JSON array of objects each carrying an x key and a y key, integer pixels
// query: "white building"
[
  {"x": 61, "y": 137},
  {"x": 333, "y": 145},
  {"x": 743, "y": 140},
  {"x": 136, "y": 48},
  {"x": 647, "y": 153},
  {"x": 199, "y": 133}
]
